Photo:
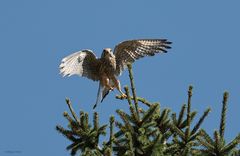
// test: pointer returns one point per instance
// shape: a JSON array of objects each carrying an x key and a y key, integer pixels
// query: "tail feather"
[
  {"x": 102, "y": 93},
  {"x": 105, "y": 93},
  {"x": 99, "y": 95}
]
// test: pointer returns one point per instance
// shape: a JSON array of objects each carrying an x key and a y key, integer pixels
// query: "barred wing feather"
[
  {"x": 83, "y": 63},
  {"x": 129, "y": 51}
]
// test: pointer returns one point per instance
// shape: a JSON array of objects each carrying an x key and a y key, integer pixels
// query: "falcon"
[{"x": 111, "y": 64}]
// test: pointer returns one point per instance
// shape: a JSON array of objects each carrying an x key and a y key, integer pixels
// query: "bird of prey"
[{"x": 111, "y": 64}]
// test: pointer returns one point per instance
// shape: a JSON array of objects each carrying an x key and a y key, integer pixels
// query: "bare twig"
[
  {"x": 72, "y": 111},
  {"x": 133, "y": 88},
  {"x": 142, "y": 100}
]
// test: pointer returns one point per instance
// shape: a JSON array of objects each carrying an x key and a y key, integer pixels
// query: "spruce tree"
[
  {"x": 147, "y": 132},
  {"x": 217, "y": 145}
]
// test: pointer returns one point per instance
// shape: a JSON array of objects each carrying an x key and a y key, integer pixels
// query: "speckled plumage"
[{"x": 111, "y": 64}]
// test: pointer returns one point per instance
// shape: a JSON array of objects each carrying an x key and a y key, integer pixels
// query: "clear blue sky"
[{"x": 36, "y": 35}]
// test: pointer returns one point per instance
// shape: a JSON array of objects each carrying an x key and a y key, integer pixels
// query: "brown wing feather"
[{"x": 129, "y": 51}]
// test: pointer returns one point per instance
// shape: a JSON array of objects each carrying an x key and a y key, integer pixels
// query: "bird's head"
[{"x": 107, "y": 52}]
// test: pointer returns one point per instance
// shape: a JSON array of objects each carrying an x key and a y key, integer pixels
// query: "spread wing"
[
  {"x": 129, "y": 51},
  {"x": 82, "y": 63}
]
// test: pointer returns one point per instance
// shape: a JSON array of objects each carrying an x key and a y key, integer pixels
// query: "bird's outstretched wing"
[
  {"x": 82, "y": 63},
  {"x": 129, "y": 51}
]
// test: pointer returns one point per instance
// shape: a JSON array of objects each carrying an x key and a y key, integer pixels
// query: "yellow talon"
[{"x": 124, "y": 95}]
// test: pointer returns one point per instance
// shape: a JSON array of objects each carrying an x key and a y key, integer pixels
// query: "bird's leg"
[
  {"x": 118, "y": 86},
  {"x": 105, "y": 81}
]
